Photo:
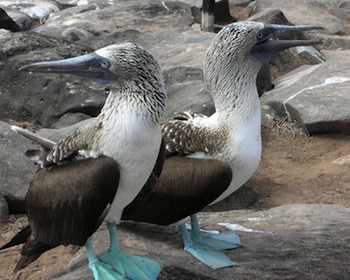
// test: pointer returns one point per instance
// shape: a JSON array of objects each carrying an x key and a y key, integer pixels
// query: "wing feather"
[
  {"x": 185, "y": 186},
  {"x": 65, "y": 202}
]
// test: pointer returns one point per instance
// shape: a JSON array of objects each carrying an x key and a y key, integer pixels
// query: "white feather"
[{"x": 134, "y": 143}]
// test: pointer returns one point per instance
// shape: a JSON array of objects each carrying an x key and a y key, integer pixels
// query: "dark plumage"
[
  {"x": 65, "y": 205},
  {"x": 185, "y": 186},
  {"x": 6, "y": 22}
]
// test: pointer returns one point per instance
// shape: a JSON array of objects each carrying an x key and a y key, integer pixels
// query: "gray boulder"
[
  {"x": 40, "y": 98},
  {"x": 317, "y": 97},
  {"x": 16, "y": 170},
  {"x": 333, "y": 42},
  {"x": 70, "y": 119},
  {"x": 319, "y": 12},
  {"x": 287, "y": 242},
  {"x": 186, "y": 91},
  {"x": 94, "y": 19},
  {"x": 37, "y": 10},
  {"x": 57, "y": 134},
  {"x": 4, "y": 210}
]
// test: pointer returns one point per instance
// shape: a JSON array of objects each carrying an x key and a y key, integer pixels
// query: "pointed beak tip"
[
  {"x": 24, "y": 68},
  {"x": 316, "y": 27},
  {"x": 14, "y": 128}
]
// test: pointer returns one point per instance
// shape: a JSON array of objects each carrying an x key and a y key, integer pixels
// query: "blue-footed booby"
[
  {"x": 67, "y": 202},
  {"x": 231, "y": 135}
]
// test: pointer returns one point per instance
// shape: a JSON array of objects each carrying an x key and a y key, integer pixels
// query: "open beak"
[
  {"x": 268, "y": 46},
  {"x": 90, "y": 66}
]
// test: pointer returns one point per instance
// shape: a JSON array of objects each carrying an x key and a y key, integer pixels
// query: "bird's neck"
[
  {"x": 234, "y": 93},
  {"x": 148, "y": 106}
]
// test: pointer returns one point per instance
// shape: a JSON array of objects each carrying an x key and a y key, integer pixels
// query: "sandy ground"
[{"x": 293, "y": 170}]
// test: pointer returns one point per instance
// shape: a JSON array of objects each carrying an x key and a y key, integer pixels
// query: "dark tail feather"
[
  {"x": 24, "y": 261},
  {"x": 19, "y": 238},
  {"x": 31, "y": 251},
  {"x": 6, "y": 22}
]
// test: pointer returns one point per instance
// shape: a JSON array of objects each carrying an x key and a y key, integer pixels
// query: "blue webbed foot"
[
  {"x": 219, "y": 241},
  {"x": 116, "y": 264},
  {"x": 207, "y": 255}
]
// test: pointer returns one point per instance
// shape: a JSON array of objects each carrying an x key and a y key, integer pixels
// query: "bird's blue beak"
[
  {"x": 90, "y": 66},
  {"x": 266, "y": 46}
]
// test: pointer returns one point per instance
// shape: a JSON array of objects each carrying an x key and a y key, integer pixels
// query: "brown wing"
[
  {"x": 6, "y": 22},
  {"x": 185, "y": 187},
  {"x": 65, "y": 203}
]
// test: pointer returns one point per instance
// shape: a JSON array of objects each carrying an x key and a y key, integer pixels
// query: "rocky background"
[{"x": 292, "y": 215}]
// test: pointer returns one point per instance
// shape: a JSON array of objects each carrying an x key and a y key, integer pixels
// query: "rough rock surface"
[
  {"x": 37, "y": 10},
  {"x": 38, "y": 98},
  {"x": 164, "y": 28},
  {"x": 323, "y": 105},
  {"x": 332, "y": 13},
  {"x": 186, "y": 91},
  {"x": 287, "y": 242},
  {"x": 4, "y": 210},
  {"x": 94, "y": 19},
  {"x": 16, "y": 170},
  {"x": 70, "y": 119}
]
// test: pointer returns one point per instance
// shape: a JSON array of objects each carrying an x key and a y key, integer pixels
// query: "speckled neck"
[
  {"x": 233, "y": 90},
  {"x": 148, "y": 104}
]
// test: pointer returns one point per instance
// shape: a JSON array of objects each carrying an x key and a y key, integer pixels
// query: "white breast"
[
  {"x": 243, "y": 153},
  {"x": 134, "y": 143}
]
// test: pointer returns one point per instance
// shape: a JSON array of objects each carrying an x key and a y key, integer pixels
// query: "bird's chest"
[
  {"x": 134, "y": 144},
  {"x": 243, "y": 152},
  {"x": 130, "y": 140}
]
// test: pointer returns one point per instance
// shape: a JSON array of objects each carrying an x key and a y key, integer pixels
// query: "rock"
[
  {"x": 332, "y": 42},
  {"x": 41, "y": 98},
  {"x": 4, "y": 210},
  {"x": 164, "y": 28},
  {"x": 22, "y": 20},
  {"x": 322, "y": 105},
  {"x": 57, "y": 134},
  {"x": 186, "y": 91},
  {"x": 16, "y": 170},
  {"x": 70, "y": 119},
  {"x": 316, "y": 10},
  {"x": 240, "y": 9},
  {"x": 38, "y": 11},
  {"x": 292, "y": 242},
  {"x": 92, "y": 20}
]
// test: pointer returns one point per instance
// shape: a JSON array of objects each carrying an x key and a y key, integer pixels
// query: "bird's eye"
[
  {"x": 260, "y": 35},
  {"x": 105, "y": 64}
]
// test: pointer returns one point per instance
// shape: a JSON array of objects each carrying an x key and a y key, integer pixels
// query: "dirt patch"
[{"x": 293, "y": 170}]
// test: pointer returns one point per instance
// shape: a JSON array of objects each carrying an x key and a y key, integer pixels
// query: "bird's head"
[
  {"x": 133, "y": 74},
  {"x": 116, "y": 64},
  {"x": 247, "y": 44}
]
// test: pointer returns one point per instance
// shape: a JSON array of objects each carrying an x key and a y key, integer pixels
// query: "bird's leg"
[
  {"x": 219, "y": 241},
  {"x": 205, "y": 254},
  {"x": 117, "y": 264}
]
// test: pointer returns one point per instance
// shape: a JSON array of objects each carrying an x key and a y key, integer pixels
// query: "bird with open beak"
[{"x": 231, "y": 135}]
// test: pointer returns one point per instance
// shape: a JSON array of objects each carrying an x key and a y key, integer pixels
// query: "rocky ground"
[{"x": 293, "y": 214}]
